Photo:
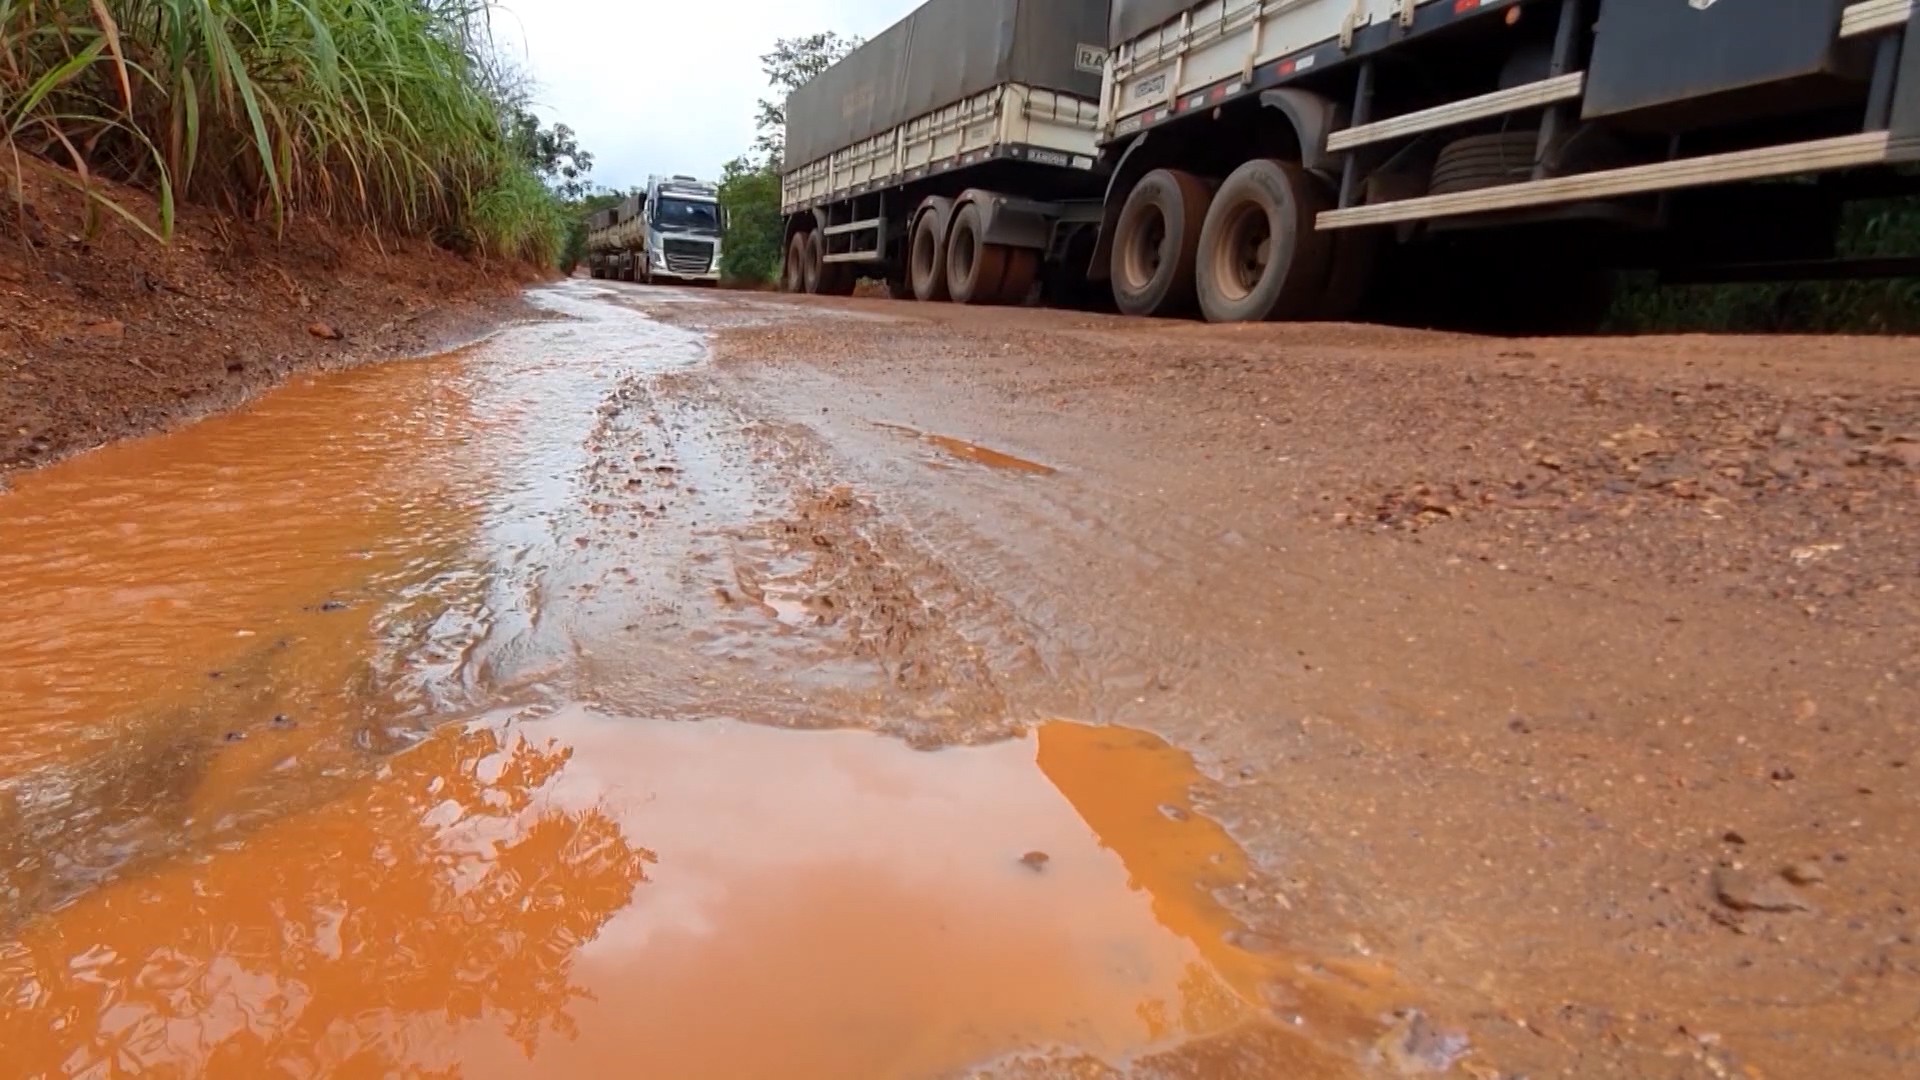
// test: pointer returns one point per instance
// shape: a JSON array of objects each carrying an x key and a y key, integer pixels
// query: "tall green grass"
[{"x": 384, "y": 112}]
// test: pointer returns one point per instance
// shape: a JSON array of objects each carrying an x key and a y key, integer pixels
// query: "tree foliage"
[
  {"x": 792, "y": 64},
  {"x": 553, "y": 153},
  {"x": 751, "y": 194},
  {"x": 750, "y": 184}
]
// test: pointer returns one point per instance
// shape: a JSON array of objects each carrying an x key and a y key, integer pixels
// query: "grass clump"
[{"x": 390, "y": 113}]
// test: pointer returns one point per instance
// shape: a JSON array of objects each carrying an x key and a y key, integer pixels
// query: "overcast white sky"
[{"x": 664, "y": 86}]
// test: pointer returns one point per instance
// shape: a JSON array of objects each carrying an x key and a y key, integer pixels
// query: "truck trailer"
[
  {"x": 670, "y": 233},
  {"x": 949, "y": 155},
  {"x": 1301, "y": 159}
]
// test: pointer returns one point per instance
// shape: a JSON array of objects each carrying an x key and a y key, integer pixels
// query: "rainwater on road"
[{"x": 422, "y": 718}]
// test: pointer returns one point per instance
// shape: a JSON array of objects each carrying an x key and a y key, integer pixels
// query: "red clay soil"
[{"x": 106, "y": 333}]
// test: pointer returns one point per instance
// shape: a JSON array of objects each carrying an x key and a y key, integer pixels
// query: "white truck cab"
[{"x": 684, "y": 224}]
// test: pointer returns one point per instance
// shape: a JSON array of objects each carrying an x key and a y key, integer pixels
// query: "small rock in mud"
[
  {"x": 1414, "y": 1047},
  {"x": 323, "y": 331},
  {"x": 334, "y": 605},
  {"x": 283, "y": 722},
  {"x": 1035, "y": 861},
  {"x": 1804, "y": 873},
  {"x": 1743, "y": 890},
  {"x": 1172, "y": 812},
  {"x": 236, "y": 736}
]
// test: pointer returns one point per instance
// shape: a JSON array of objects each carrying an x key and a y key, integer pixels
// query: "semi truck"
[
  {"x": 672, "y": 232},
  {"x": 1311, "y": 159},
  {"x": 964, "y": 121}
]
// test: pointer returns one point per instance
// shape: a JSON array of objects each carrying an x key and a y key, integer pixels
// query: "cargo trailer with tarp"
[
  {"x": 887, "y": 148},
  {"x": 1493, "y": 162}
]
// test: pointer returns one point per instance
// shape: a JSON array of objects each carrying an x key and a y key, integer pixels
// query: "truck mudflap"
[{"x": 1011, "y": 220}]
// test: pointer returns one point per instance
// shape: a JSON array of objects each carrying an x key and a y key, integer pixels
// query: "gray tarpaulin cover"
[
  {"x": 945, "y": 51},
  {"x": 1131, "y": 18}
]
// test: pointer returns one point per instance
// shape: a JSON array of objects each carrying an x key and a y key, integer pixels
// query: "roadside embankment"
[{"x": 105, "y": 333}]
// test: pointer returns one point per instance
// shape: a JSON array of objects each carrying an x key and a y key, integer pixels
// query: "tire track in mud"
[{"x": 750, "y": 583}]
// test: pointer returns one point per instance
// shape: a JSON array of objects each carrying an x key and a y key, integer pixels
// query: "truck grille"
[{"x": 688, "y": 256}]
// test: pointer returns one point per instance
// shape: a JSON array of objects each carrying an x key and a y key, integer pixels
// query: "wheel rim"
[
  {"x": 1146, "y": 249},
  {"x": 1245, "y": 252}
]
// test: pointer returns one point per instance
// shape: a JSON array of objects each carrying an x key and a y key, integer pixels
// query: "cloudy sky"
[{"x": 664, "y": 86}]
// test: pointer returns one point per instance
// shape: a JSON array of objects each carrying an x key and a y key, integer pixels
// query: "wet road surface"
[
  {"x": 500, "y": 713},
  {"x": 696, "y": 684}
]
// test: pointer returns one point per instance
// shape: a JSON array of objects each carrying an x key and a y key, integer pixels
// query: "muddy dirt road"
[{"x": 742, "y": 686}]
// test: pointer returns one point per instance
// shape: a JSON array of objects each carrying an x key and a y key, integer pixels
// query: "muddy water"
[{"x": 335, "y": 738}]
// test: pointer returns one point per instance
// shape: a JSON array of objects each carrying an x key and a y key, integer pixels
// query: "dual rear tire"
[
  {"x": 1244, "y": 252},
  {"x": 806, "y": 270},
  {"x": 948, "y": 258},
  {"x": 982, "y": 273}
]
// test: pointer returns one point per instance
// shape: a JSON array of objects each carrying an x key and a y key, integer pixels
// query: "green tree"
[
  {"x": 792, "y": 64},
  {"x": 750, "y": 184},
  {"x": 553, "y": 153},
  {"x": 751, "y": 194}
]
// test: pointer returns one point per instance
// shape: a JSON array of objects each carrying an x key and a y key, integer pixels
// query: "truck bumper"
[{"x": 710, "y": 278}]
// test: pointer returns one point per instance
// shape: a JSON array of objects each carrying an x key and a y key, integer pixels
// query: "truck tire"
[
  {"x": 793, "y": 277},
  {"x": 810, "y": 265},
  {"x": 824, "y": 278},
  {"x": 1155, "y": 243},
  {"x": 1483, "y": 161},
  {"x": 927, "y": 258},
  {"x": 1260, "y": 256},
  {"x": 976, "y": 270}
]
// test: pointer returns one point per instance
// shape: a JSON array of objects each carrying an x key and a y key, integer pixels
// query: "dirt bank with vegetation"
[
  {"x": 117, "y": 335},
  {"x": 196, "y": 200}
]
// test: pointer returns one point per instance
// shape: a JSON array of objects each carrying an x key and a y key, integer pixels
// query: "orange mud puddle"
[
  {"x": 974, "y": 452},
  {"x": 572, "y": 895},
  {"x": 293, "y": 781}
]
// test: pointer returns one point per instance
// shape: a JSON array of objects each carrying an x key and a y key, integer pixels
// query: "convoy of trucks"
[
  {"x": 1495, "y": 162},
  {"x": 672, "y": 232},
  {"x": 1308, "y": 159}
]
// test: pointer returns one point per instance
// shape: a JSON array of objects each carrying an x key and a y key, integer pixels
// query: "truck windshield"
[{"x": 672, "y": 213}]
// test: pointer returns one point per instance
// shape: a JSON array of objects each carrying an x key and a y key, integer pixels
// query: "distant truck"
[
  {"x": 671, "y": 233},
  {"x": 941, "y": 136},
  {"x": 1308, "y": 159}
]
